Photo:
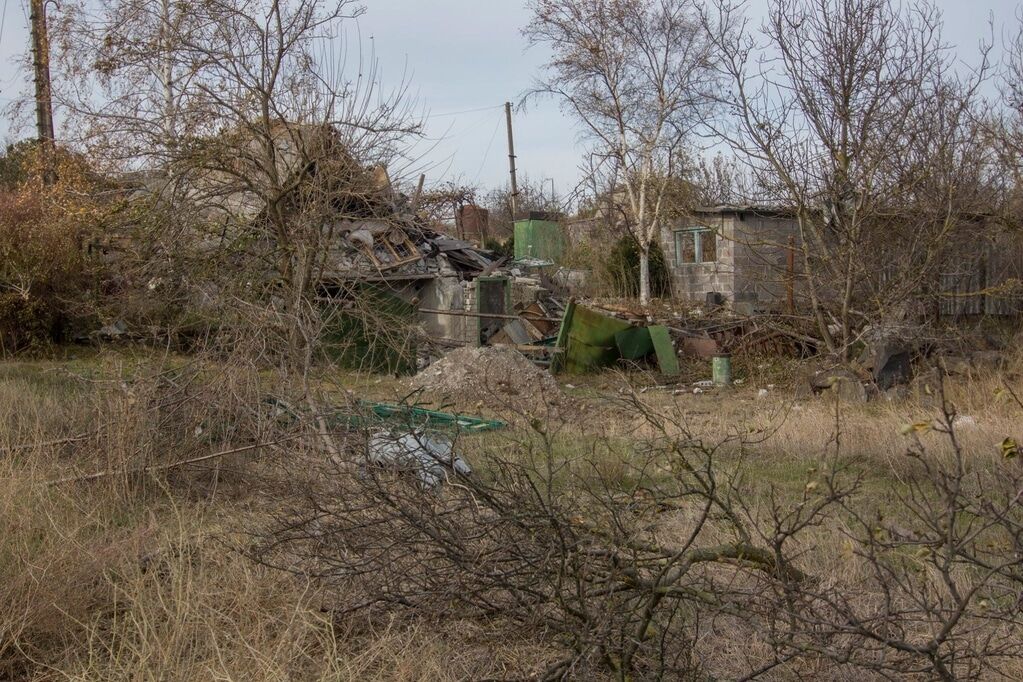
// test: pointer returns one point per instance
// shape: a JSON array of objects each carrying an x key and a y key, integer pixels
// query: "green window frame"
[{"x": 695, "y": 245}]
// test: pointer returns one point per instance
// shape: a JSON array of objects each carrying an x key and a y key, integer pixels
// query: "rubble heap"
[{"x": 491, "y": 373}]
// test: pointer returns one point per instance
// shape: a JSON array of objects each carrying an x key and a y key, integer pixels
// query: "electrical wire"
[
  {"x": 486, "y": 154},
  {"x": 459, "y": 113}
]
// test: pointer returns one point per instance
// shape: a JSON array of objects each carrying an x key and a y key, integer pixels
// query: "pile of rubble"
[
  {"x": 707, "y": 330},
  {"x": 402, "y": 247},
  {"x": 494, "y": 374}
]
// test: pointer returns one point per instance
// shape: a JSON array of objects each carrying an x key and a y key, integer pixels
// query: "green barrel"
[{"x": 722, "y": 364}]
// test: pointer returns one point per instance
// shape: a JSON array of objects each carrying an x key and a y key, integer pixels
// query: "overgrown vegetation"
[
  {"x": 214, "y": 514},
  {"x": 44, "y": 231},
  {"x": 228, "y": 536}
]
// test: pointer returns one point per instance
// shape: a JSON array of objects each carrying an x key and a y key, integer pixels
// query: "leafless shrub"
[
  {"x": 852, "y": 115},
  {"x": 636, "y": 557},
  {"x": 571, "y": 540}
]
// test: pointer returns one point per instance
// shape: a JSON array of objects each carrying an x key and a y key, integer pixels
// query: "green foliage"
[
  {"x": 27, "y": 323},
  {"x": 501, "y": 249},
  {"x": 622, "y": 268},
  {"x": 373, "y": 332}
]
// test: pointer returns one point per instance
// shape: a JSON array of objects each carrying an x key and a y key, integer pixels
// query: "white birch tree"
[{"x": 639, "y": 77}]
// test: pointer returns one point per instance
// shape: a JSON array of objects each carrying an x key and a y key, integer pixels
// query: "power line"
[
  {"x": 459, "y": 113},
  {"x": 486, "y": 154}
]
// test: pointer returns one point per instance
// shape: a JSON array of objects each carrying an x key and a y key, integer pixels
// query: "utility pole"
[
  {"x": 44, "y": 101},
  {"x": 511, "y": 160}
]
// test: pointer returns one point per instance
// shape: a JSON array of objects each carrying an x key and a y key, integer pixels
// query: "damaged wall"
[
  {"x": 747, "y": 260},
  {"x": 444, "y": 293}
]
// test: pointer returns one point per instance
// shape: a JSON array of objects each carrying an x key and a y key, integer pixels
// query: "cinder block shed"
[{"x": 741, "y": 253}]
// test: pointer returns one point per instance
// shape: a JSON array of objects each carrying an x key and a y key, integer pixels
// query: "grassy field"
[{"x": 140, "y": 572}]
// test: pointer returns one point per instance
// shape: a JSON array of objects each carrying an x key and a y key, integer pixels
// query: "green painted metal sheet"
[
  {"x": 408, "y": 415},
  {"x": 561, "y": 342},
  {"x": 667, "y": 360},
  {"x": 634, "y": 343},
  {"x": 588, "y": 339}
]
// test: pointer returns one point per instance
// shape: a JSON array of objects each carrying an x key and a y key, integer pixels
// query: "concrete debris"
[
  {"x": 887, "y": 356},
  {"x": 897, "y": 394},
  {"x": 844, "y": 383},
  {"x": 115, "y": 330},
  {"x": 851, "y": 391},
  {"x": 495, "y": 374},
  {"x": 430, "y": 457},
  {"x": 964, "y": 421},
  {"x": 955, "y": 365},
  {"x": 964, "y": 365},
  {"x": 988, "y": 360}
]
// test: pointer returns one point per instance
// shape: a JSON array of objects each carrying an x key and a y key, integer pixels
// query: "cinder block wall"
[
  {"x": 693, "y": 281},
  {"x": 752, "y": 257}
]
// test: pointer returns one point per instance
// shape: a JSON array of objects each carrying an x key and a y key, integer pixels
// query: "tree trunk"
[{"x": 644, "y": 273}]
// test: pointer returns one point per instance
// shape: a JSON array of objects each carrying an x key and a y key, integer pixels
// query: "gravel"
[{"x": 491, "y": 376}]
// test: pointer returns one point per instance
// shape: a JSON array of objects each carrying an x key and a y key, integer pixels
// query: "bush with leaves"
[
  {"x": 621, "y": 269},
  {"x": 43, "y": 267}
]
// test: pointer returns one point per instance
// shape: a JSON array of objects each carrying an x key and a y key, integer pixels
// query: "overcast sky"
[{"x": 465, "y": 58}]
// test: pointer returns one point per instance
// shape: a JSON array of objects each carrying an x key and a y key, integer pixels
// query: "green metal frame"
[
  {"x": 507, "y": 301},
  {"x": 420, "y": 416}
]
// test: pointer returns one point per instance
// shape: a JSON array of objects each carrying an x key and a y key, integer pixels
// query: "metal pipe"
[{"x": 499, "y": 316}]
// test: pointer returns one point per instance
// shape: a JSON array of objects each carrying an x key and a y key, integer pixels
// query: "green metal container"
[{"x": 722, "y": 365}]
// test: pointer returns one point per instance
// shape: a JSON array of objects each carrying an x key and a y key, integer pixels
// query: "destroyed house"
[
  {"x": 375, "y": 253},
  {"x": 731, "y": 254}
]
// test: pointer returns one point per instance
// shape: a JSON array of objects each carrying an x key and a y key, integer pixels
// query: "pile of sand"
[{"x": 499, "y": 378}]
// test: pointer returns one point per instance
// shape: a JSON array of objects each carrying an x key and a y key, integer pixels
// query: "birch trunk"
[{"x": 644, "y": 272}]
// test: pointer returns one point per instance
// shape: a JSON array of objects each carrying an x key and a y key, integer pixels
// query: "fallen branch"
[
  {"x": 816, "y": 343},
  {"x": 164, "y": 467},
  {"x": 49, "y": 443}
]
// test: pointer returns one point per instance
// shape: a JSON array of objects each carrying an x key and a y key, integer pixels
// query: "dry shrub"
[
  {"x": 656, "y": 552},
  {"x": 87, "y": 478},
  {"x": 57, "y": 550},
  {"x": 650, "y": 557}
]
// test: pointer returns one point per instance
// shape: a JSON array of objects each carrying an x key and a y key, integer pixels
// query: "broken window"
[{"x": 696, "y": 245}]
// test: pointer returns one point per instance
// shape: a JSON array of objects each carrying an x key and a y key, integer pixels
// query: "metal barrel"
[{"x": 722, "y": 369}]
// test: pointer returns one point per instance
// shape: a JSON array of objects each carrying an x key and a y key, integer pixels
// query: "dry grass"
[{"x": 136, "y": 576}]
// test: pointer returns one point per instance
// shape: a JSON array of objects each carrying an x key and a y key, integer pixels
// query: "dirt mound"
[{"x": 496, "y": 377}]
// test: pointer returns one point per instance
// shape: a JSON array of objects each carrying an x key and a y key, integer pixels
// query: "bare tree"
[
  {"x": 852, "y": 114},
  {"x": 258, "y": 141},
  {"x": 1004, "y": 123},
  {"x": 532, "y": 196},
  {"x": 638, "y": 75},
  {"x": 125, "y": 78}
]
